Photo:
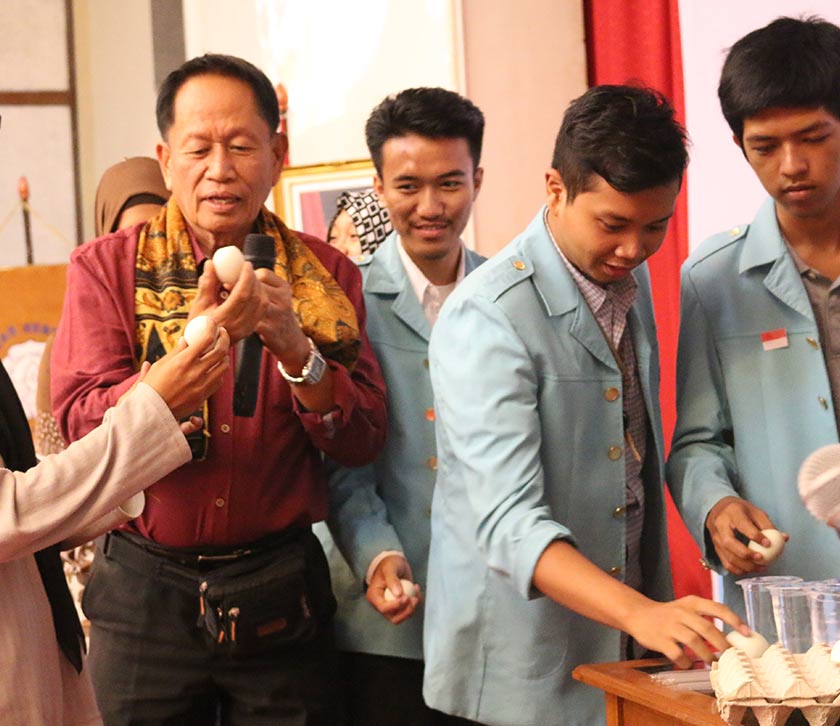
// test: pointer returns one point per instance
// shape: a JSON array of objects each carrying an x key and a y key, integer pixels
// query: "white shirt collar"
[{"x": 419, "y": 282}]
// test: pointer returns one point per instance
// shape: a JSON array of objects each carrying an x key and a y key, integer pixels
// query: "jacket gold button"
[
  {"x": 430, "y": 414},
  {"x": 519, "y": 264},
  {"x": 612, "y": 394},
  {"x": 431, "y": 462},
  {"x": 425, "y": 363},
  {"x": 618, "y": 512},
  {"x": 823, "y": 402},
  {"x": 615, "y": 571},
  {"x": 813, "y": 343},
  {"x": 615, "y": 453}
]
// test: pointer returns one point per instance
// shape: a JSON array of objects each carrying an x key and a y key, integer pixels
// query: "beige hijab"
[{"x": 134, "y": 181}]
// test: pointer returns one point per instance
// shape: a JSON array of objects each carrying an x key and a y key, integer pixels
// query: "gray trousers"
[{"x": 152, "y": 665}]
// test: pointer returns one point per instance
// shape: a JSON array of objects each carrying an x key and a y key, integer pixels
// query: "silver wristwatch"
[{"x": 312, "y": 371}]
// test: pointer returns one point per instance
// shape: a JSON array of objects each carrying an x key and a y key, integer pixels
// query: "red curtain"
[{"x": 639, "y": 41}]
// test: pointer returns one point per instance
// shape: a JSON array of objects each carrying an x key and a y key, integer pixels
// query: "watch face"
[{"x": 317, "y": 364}]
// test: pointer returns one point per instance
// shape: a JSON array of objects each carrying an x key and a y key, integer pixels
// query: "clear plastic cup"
[
  {"x": 824, "y": 608},
  {"x": 759, "y": 604},
  {"x": 792, "y": 614}
]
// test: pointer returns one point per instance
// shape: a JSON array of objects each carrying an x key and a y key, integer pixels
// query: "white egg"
[
  {"x": 408, "y": 589},
  {"x": 835, "y": 653},
  {"x": 199, "y": 327},
  {"x": 228, "y": 262},
  {"x": 777, "y": 544},
  {"x": 753, "y": 644}
]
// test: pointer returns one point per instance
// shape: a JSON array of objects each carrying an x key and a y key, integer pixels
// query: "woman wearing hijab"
[
  {"x": 129, "y": 192},
  {"x": 360, "y": 225}
]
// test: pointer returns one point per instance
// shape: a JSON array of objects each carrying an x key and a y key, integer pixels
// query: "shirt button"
[
  {"x": 615, "y": 571},
  {"x": 225, "y": 428},
  {"x": 618, "y": 512},
  {"x": 813, "y": 343},
  {"x": 611, "y": 394},
  {"x": 431, "y": 462},
  {"x": 823, "y": 402},
  {"x": 615, "y": 453},
  {"x": 224, "y": 294},
  {"x": 430, "y": 414},
  {"x": 220, "y": 502}
]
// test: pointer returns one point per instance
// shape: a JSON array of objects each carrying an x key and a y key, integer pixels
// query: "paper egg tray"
[{"x": 765, "y": 691}]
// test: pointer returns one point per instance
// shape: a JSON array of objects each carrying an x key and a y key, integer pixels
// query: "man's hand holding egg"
[{"x": 393, "y": 573}]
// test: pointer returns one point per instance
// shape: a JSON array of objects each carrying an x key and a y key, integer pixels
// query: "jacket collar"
[
  {"x": 763, "y": 246},
  {"x": 386, "y": 275}
]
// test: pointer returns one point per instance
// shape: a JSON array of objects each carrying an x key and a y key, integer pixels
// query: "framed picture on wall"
[{"x": 305, "y": 196}]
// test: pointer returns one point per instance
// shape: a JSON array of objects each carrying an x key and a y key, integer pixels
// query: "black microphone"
[{"x": 259, "y": 250}]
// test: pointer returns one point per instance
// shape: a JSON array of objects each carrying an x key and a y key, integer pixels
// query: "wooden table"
[{"x": 635, "y": 699}]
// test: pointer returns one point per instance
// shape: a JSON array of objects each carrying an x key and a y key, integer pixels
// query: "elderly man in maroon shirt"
[{"x": 215, "y": 603}]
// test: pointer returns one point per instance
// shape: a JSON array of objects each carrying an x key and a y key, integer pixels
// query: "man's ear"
[
  {"x": 164, "y": 156},
  {"x": 379, "y": 188},
  {"x": 478, "y": 178},
  {"x": 554, "y": 186},
  {"x": 279, "y": 147}
]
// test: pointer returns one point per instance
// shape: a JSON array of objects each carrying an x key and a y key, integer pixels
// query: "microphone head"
[
  {"x": 259, "y": 250},
  {"x": 819, "y": 484}
]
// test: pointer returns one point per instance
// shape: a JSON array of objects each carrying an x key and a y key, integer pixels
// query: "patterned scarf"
[{"x": 166, "y": 282}]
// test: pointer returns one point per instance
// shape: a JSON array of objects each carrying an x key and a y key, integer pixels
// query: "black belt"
[{"x": 197, "y": 558}]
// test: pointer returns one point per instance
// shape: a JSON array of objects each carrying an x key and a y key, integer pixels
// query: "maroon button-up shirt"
[{"x": 262, "y": 473}]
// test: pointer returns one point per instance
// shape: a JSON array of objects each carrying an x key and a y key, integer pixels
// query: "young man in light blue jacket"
[
  {"x": 758, "y": 374},
  {"x": 548, "y": 521},
  {"x": 426, "y": 146}
]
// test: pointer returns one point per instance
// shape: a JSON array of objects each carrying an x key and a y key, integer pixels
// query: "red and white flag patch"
[{"x": 774, "y": 339}]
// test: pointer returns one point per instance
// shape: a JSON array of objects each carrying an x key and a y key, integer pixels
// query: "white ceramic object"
[
  {"x": 777, "y": 544},
  {"x": 408, "y": 589},
  {"x": 753, "y": 645},
  {"x": 228, "y": 263}
]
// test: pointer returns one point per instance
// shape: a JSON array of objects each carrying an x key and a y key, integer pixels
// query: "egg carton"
[
  {"x": 760, "y": 712},
  {"x": 766, "y": 690}
]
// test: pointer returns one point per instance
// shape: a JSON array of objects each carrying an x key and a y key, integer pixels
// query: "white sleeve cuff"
[{"x": 374, "y": 563}]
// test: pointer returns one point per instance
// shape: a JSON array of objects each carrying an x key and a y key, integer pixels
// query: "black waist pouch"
[{"x": 268, "y": 600}]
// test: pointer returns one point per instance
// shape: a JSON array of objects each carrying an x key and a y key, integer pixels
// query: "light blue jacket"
[
  {"x": 525, "y": 428},
  {"x": 774, "y": 405},
  {"x": 387, "y": 505}
]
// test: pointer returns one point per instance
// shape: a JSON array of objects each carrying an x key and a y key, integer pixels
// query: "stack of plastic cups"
[
  {"x": 824, "y": 606},
  {"x": 759, "y": 604},
  {"x": 792, "y": 614}
]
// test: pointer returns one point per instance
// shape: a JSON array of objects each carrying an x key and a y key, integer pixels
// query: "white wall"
[
  {"x": 116, "y": 89},
  {"x": 722, "y": 190},
  {"x": 337, "y": 59}
]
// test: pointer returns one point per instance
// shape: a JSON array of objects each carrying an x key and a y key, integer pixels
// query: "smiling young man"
[
  {"x": 215, "y": 603},
  {"x": 759, "y": 356},
  {"x": 548, "y": 518},
  {"x": 426, "y": 146}
]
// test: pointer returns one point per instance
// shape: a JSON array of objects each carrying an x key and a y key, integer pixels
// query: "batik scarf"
[{"x": 166, "y": 283}]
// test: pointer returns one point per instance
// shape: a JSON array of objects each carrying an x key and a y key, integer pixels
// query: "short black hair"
[
  {"x": 626, "y": 134},
  {"x": 431, "y": 112},
  {"x": 215, "y": 64},
  {"x": 790, "y": 63}
]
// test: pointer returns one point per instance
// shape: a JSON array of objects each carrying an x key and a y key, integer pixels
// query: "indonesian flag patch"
[{"x": 774, "y": 339}]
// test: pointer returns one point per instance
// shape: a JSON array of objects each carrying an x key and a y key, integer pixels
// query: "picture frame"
[{"x": 305, "y": 196}]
